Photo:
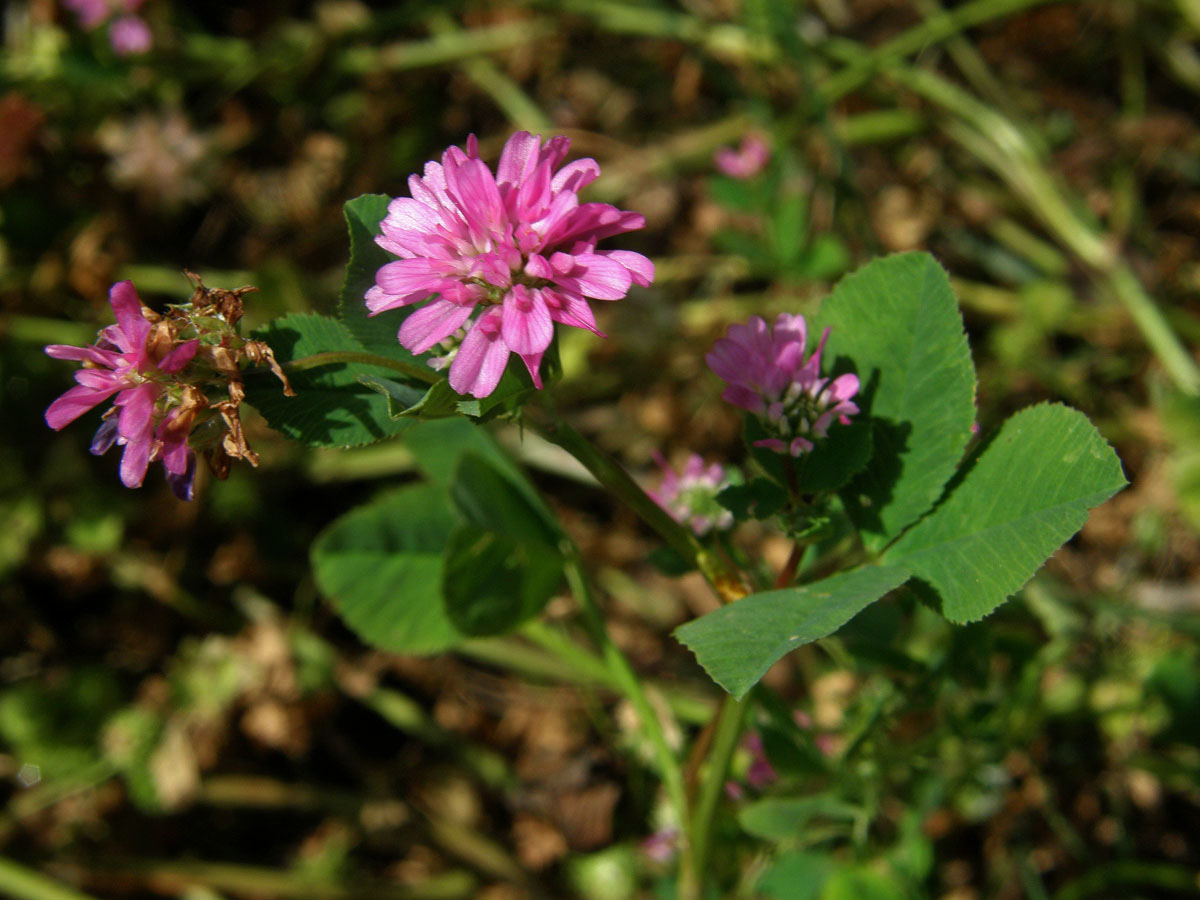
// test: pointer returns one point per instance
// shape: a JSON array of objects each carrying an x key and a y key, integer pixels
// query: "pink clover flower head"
[
  {"x": 766, "y": 373},
  {"x": 501, "y": 257},
  {"x": 690, "y": 496},
  {"x": 127, "y": 364},
  {"x": 130, "y": 35},
  {"x": 745, "y": 162}
]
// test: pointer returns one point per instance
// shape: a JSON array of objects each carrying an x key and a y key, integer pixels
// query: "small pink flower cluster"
[
  {"x": 517, "y": 246},
  {"x": 158, "y": 369},
  {"x": 768, "y": 375},
  {"x": 745, "y": 162},
  {"x": 128, "y": 33},
  {"x": 690, "y": 496},
  {"x": 126, "y": 362}
]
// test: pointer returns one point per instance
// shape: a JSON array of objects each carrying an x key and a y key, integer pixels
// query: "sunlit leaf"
[
  {"x": 736, "y": 644},
  {"x": 332, "y": 407},
  {"x": 896, "y": 323},
  {"x": 1028, "y": 492},
  {"x": 381, "y": 566}
]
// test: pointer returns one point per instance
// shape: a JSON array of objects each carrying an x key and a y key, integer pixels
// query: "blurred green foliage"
[{"x": 182, "y": 715}]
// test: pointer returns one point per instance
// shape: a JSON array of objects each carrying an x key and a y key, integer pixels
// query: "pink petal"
[
  {"x": 132, "y": 326},
  {"x": 739, "y": 355},
  {"x": 74, "y": 403},
  {"x": 179, "y": 357},
  {"x": 526, "y": 325},
  {"x": 575, "y": 176},
  {"x": 570, "y": 309},
  {"x": 411, "y": 276},
  {"x": 432, "y": 324},
  {"x": 531, "y": 200},
  {"x": 639, "y": 267},
  {"x": 844, "y": 387},
  {"x": 378, "y": 300},
  {"x": 790, "y": 329},
  {"x": 134, "y": 462},
  {"x": 533, "y": 362},
  {"x": 555, "y": 150},
  {"x": 407, "y": 214},
  {"x": 137, "y": 410},
  {"x": 800, "y": 445},
  {"x": 743, "y": 398},
  {"x": 773, "y": 444},
  {"x": 174, "y": 452},
  {"x": 480, "y": 361},
  {"x": 107, "y": 358},
  {"x": 594, "y": 221},
  {"x": 474, "y": 187},
  {"x": 595, "y": 276},
  {"x": 518, "y": 158}
]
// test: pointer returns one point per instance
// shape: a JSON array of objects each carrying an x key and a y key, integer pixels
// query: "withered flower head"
[{"x": 177, "y": 380}]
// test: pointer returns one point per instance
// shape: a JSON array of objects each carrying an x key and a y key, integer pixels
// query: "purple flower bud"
[{"x": 767, "y": 374}]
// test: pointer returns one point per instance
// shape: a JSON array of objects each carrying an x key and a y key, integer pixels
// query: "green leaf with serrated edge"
[
  {"x": 332, "y": 408},
  {"x": 488, "y": 498},
  {"x": 896, "y": 323},
  {"x": 436, "y": 401},
  {"x": 1028, "y": 492},
  {"x": 736, "y": 644},
  {"x": 381, "y": 566},
  {"x": 494, "y": 581},
  {"x": 376, "y": 333}
]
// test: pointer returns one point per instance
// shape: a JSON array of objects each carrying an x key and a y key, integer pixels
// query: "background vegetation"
[{"x": 182, "y": 715}]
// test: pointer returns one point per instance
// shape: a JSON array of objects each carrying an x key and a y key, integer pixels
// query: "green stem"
[
  {"x": 725, "y": 740},
  {"x": 724, "y": 579},
  {"x": 342, "y": 357},
  {"x": 26, "y": 884},
  {"x": 626, "y": 680}
]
